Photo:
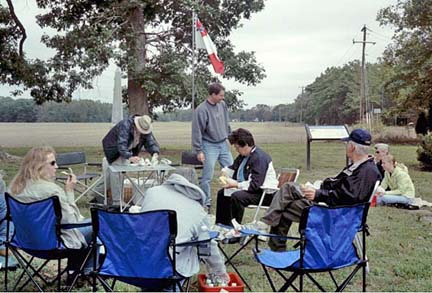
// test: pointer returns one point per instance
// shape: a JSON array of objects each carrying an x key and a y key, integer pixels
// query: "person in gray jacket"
[
  {"x": 35, "y": 181},
  {"x": 210, "y": 130},
  {"x": 187, "y": 200}
]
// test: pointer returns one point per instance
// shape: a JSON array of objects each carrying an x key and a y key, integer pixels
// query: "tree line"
[{"x": 26, "y": 110}]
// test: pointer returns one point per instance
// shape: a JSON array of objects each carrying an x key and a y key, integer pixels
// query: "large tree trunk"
[{"x": 138, "y": 101}]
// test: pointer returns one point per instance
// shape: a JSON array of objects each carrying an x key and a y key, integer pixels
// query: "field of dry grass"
[{"x": 167, "y": 133}]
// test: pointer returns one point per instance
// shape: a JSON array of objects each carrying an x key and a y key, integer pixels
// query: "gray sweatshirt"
[
  {"x": 211, "y": 123},
  {"x": 178, "y": 194}
]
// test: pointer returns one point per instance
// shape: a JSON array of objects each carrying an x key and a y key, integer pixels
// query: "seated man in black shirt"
[{"x": 354, "y": 184}]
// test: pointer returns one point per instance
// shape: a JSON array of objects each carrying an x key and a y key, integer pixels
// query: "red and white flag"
[{"x": 203, "y": 41}]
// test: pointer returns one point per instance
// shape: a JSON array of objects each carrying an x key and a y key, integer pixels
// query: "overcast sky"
[{"x": 295, "y": 41}]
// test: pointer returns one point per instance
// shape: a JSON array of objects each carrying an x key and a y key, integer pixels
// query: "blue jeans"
[
  {"x": 392, "y": 199},
  {"x": 213, "y": 152},
  {"x": 75, "y": 262},
  {"x": 3, "y": 225}
]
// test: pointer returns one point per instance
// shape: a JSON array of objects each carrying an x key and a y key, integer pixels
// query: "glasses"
[{"x": 52, "y": 163}]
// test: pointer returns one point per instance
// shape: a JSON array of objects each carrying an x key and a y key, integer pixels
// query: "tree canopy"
[
  {"x": 150, "y": 40},
  {"x": 410, "y": 54}
]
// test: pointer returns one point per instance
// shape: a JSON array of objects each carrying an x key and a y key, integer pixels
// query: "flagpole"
[{"x": 193, "y": 59}]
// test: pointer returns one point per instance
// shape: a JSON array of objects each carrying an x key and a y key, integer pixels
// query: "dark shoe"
[{"x": 412, "y": 207}]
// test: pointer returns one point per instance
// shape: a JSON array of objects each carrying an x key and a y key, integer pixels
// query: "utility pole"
[
  {"x": 364, "y": 102},
  {"x": 301, "y": 104}
]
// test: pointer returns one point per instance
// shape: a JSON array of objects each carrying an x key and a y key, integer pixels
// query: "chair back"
[
  {"x": 36, "y": 224},
  {"x": 136, "y": 245},
  {"x": 72, "y": 158},
  {"x": 329, "y": 234},
  {"x": 287, "y": 175},
  {"x": 190, "y": 158}
]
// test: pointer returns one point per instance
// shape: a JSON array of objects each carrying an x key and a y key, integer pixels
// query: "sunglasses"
[{"x": 52, "y": 163}]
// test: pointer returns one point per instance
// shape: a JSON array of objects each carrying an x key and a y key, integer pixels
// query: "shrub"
[{"x": 424, "y": 151}]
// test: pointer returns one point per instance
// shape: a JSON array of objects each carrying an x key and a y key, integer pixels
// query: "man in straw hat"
[{"x": 122, "y": 145}]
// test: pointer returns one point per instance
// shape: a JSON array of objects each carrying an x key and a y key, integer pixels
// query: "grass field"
[{"x": 398, "y": 247}]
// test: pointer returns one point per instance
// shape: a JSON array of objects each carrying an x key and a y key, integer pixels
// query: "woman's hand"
[{"x": 70, "y": 183}]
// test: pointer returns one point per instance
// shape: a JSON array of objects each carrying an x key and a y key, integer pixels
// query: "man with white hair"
[
  {"x": 354, "y": 184},
  {"x": 381, "y": 150}
]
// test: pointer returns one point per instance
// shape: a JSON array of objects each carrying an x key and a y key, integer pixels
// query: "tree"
[
  {"x": 410, "y": 53},
  {"x": 148, "y": 39}
]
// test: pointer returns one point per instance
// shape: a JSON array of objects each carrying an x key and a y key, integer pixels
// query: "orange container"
[
  {"x": 234, "y": 278},
  {"x": 373, "y": 201}
]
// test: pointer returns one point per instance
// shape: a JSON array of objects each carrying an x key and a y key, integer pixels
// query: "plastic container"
[
  {"x": 373, "y": 201},
  {"x": 234, "y": 278}
]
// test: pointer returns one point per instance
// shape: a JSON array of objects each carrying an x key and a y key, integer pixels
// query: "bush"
[{"x": 424, "y": 151}]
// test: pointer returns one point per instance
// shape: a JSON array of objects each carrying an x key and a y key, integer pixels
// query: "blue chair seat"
[{"x": 278, "y": 260}]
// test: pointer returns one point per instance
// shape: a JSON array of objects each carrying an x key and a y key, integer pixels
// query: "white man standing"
[{"x": 210, "y": 130}]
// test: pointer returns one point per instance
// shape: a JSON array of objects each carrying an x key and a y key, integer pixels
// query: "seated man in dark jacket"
[
  {"x": 354, "y": 184},
  {"x": 247, "y": 174},
  {"x": 122, "y": 145}
]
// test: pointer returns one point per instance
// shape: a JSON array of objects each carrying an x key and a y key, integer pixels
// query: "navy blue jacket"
[
  {"x": 256, "y": 165},
  {"x": 117, "y": 141},
  {"x": 349, "y": 187}
]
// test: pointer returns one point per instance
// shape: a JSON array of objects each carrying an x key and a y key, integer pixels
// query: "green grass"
[{"x": 398, "y": 247}]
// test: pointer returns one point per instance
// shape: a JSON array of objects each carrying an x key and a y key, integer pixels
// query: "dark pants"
[
  {"x": 232, "y": 207},
  {"x": 286, "y": 207}
]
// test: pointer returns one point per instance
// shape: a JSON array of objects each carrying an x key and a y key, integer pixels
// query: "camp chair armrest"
[
  {"x": 75, "y": 225},
  {"x": 212, "y": 235},
  {"x": 250, "y": 232},
  {"x": 95, "y": 164}
]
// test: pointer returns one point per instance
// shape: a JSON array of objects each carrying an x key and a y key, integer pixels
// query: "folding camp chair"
[
  {"x": 86, "y": 180},
  {"x": 140, "y": 249},
  {"x": 325, "y": 244},
  {"x": 285, "y": 175},
  {"x": 190, "y": 158},
  {"x": 38, "y": 232}
]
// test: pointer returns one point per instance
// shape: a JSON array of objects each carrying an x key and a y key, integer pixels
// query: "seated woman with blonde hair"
[
  {"x": 35, "y": 181},
  {"x": 397, "y": 179}
]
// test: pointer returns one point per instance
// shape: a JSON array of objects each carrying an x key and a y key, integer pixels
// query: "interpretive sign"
[{"x": 323, "y": 132}]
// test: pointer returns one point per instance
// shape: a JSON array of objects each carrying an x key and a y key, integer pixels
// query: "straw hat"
[{"x": 143, "y": 124}]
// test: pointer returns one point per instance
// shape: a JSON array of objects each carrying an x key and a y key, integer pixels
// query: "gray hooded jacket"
[{"x": 187, "y": 199}]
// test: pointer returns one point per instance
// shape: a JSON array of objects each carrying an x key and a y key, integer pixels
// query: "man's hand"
[
  {"x": 308, "y": 192},
  {"x": 201, "y": 157},
  {"x": 134, "y": 159}
]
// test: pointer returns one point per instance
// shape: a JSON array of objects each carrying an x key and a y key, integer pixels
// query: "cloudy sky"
[{"x": 295, "y": 41}]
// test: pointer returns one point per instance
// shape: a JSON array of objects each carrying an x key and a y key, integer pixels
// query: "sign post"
[{"x": 327, "y": 132}]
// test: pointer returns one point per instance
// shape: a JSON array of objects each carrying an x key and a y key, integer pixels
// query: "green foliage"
[
  {"x": 410, "y": 53},
  {"x": 26, "y": 110},
  {"x": 149, "y": 40},
  {"x": 333, "y": 97},
  {"x": 424, "y": 151}
]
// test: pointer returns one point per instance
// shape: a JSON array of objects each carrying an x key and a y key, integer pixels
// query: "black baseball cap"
[{"x": 360, "y": 136}]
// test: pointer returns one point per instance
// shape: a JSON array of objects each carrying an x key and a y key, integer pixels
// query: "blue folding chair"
[
  {"x": 137, "y": 249},
  {"x": 38, "y": 231},
  {"x": 325, "y": 244}
]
